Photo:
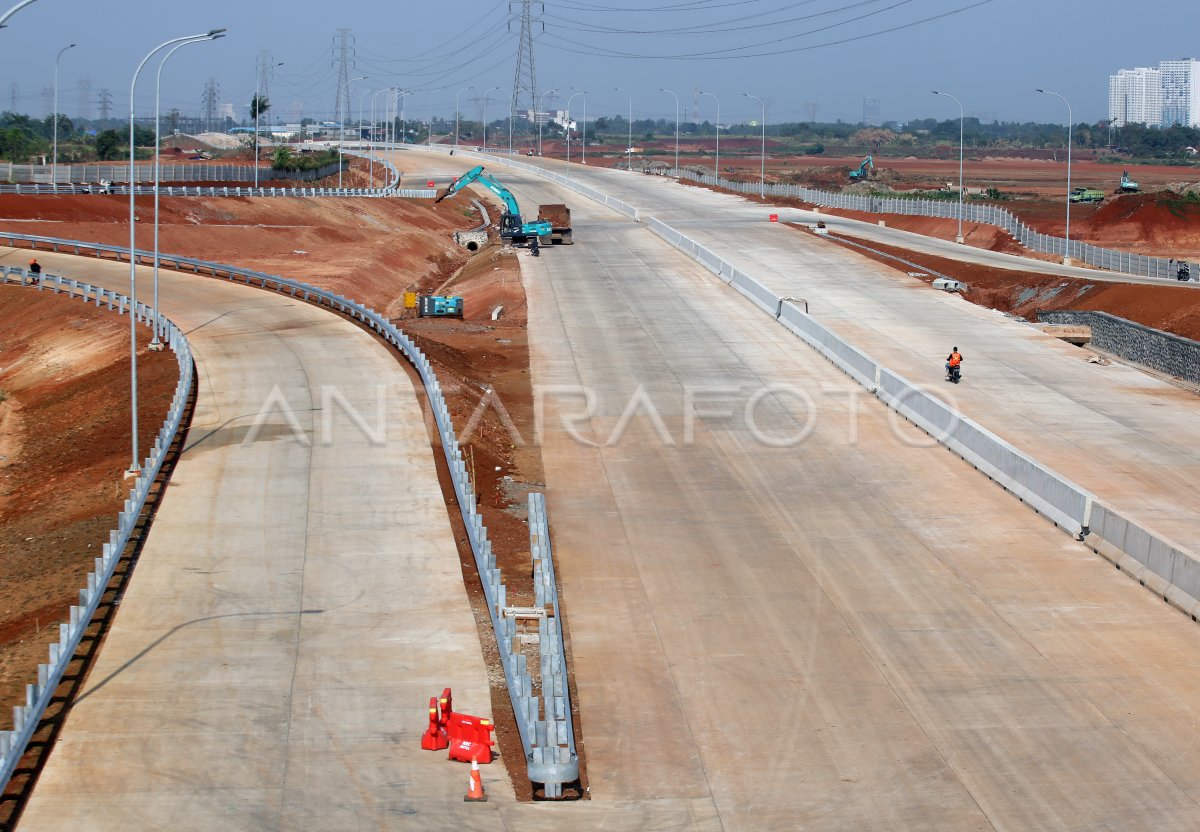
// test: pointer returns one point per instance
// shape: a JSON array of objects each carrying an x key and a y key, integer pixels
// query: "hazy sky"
[{"x": 991, "y": 54}]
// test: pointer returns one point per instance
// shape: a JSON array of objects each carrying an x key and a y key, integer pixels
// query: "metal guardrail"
[
  {"x": 66, "y": 173},
  {"x": 1126, "y": 262},
  {"x": 552, "y": 747},
  {"x": 525, "y": 706},
  {"x": 27, "y": 717},
  {"x": 220, "y": 191},
  {"x": 392, "y": 189}
]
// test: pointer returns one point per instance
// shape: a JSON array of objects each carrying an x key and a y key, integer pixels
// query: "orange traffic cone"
[{"x": 475, "y": 786}]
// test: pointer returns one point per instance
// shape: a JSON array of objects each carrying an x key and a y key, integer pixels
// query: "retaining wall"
[{"x": 1153, "y": 348}]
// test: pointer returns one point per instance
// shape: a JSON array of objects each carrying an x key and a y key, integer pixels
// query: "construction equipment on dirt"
[
  {"x": 436, "y": 306},
  {"x": 559, "y": 217},
  {"x": 864, "y": 170},
  {"x": 1087, "y": 195},
  {"x": 1128, "y": 186},
  {"x": 512, "y": 228}
]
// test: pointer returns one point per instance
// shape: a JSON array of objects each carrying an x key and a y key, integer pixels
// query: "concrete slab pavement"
[
  {"x": 297, "y": 602},
  {"x": 813, "y": 635}
]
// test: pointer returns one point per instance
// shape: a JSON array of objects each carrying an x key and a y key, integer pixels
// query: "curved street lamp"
[
  {"x": 343, "y": 133},
  {"x": 628, "y": 147},
  {"x": 717, "y": 158},
  {"x": 1070, "y": 126},
  {"x": 569, "y": 100},
  {"x": 485, "y": 101},
  {"x": 135, "y": 467},
  {"x": 257, "y": 113},
  {"x": 539, "y": 121},
  {"x": 961, "y": 192},
  {"x": 662, "y": 89},
  {"x": 54, "y": 115},
  {"x": 13, "y": 11},
  {"x": 156, "y": 344},
  {"x": 456, "y": 111},
  {"x": 762, "y": 164}
]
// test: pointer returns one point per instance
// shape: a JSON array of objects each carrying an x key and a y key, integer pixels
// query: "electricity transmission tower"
[
  {"x": 341, "y": 107},
  {"x": 48, "y": 99},
  {"x": 811, "y": 107},
  {"x": 105, "y": 104},
  {"x": 85, "y": 98},
  {"x": 525, "y": 77},
  {"x": 212, "y": 95},
  {"x": 13, "y": 95}
]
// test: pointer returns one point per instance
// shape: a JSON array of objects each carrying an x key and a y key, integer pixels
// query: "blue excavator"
[
  {"x": 864, "y": 170},
  {"x": 512, "y": 229}
]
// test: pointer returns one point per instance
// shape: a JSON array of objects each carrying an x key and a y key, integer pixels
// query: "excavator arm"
[{"x": 478, "y": 174}]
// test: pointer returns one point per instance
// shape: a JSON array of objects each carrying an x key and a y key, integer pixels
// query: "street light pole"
[
  {"x": 135, "y": 467},
  {"x": 762, "y": 163},
  {"x": 54, "y": 115},
  {"x": 535, "y": 116},
  {"x": 371, "y": 157},
  {"x": 629, "y": 146},
  {"x": 485, "y": 101},
  {"x": 258, "y": 110},
  {"x": 460, "y": 92},
  {"x": 661, "y": 89},
  {"x": 156, "y": 344},
  {"x": 569, "y": 100},
  {"x": 961, "y": 192},
  {"x": 371, "y": 132},
  {"x": 13, "y": 11},
  {"x": 1070, "y": 126},
  {"x": 342, "y": 141},
  {"x": 717, "y": 158}
]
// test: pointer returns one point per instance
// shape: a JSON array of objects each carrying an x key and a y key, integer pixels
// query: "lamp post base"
[
  {"x": 1067, "y": 261},
  {"x": 959, "y": 239},
  {"x": 156, "y": 346},
  {"x": 133, "y": 472}
]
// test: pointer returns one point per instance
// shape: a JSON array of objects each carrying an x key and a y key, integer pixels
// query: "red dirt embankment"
[
  {"x": 1173, "y": 309},
  {"x": 64, "y": 446}
]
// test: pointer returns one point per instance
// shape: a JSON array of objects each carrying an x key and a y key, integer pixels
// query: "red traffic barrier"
[
  {"x": 429, "y": 183},
  {"x": 434, "y": 738},
  {"x": 445, "y": 708},
  {"x": 470, "y": 738},
  {"x": 465, "y": 751},
  {"x": 774, "y": 218}
]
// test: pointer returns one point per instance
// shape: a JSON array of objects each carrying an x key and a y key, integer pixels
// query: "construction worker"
[{"x": 35, "y": 270}]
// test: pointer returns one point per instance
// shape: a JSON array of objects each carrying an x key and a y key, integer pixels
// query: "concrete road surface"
[
  {"x": 1115, "y": 430},
  {"x": 838, "y": 629},
  {"x": 298, "y": 600}
]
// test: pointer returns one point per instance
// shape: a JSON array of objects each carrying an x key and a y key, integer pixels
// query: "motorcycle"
[
  {"x": 1184, "y": 273},
  {"x": 954, "y": 374},
  {"x": 534, "y": 247}
]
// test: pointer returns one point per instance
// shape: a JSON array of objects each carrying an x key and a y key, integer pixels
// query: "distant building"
[
  {"x": 1181, "y": 92},
  {"x": 1135, "y": 96},
  {"x": 1161, "y": 97}
]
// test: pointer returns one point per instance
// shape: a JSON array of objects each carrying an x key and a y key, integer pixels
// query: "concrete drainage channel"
[
  {"x": 1167, "y": 568},
  {"x": 543, "y": 722},
  {"x": 27, "y": 717}
]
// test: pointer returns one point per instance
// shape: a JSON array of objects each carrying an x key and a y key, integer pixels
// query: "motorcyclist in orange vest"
[{"x": 953, "y": 359}]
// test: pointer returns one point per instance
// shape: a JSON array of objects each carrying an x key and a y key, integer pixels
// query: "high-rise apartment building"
[
  {"x": 1135, "y": 96},
  {"x": 1161, "y": 97},
  {"x": 1181, "y": 92}
]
